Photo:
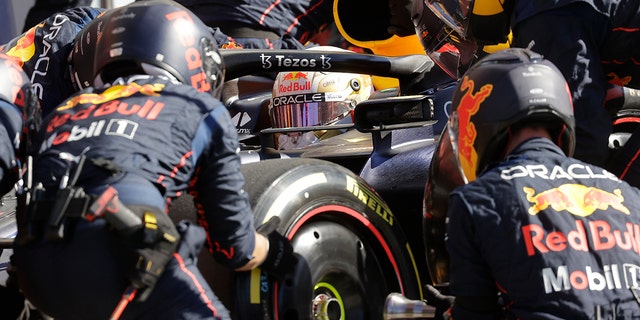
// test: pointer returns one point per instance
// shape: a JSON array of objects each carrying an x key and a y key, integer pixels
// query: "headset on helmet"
[
  {"x": 302, "y": 99},
  {"x": 156, "y": 37},
  {"x": 501, "y": 92}
]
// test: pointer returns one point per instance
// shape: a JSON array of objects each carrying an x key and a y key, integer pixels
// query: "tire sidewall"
[{"x": 299, "y": 191}]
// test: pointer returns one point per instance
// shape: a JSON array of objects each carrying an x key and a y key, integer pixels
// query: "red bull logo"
[
  {"x": 24, "y": 48},
  {"x": 112, "y": 93},
  {"x": 468, "y": 106},
  {"x": 584, "y": 236},
  {"x": 576, "y": 199},
  {"x": 294, "y": 82},
  {"x": 294, "y": 76},
  {"x": 149, "y": 110},
  {"x": 231, "y": 45},
  {"x": 615, "y": 79}
]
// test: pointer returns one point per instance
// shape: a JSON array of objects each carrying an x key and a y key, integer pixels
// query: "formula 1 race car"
[{"x": 351, "y": 204}]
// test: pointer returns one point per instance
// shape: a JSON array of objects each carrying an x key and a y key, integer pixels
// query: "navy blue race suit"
[
  {"x": 43, "y": 50},
  {"x": 259, "y": 23},
  {"x": 592, "y": 42},
  {"x": 164, "y": 138},
  {"x": 42, "y": 9},
  {"x": 559, "y": 238},
  {"x": 228, "y": 42}
]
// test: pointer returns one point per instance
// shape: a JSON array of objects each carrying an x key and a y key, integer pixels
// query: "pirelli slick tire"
[{"x": 352, "y": 252}]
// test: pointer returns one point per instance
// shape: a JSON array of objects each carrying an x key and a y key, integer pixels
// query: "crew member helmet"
[
  {"x": 431, "y": 31},
  {"x": 156, "y": 37},
  {"x": 487, "y": 21},
  {"x": 502, "y": 92},
  {"x": 17, "y": 89},
  {"x": 14, "y": 82},
  {"x": 303, "y": 99},
  {"x": 448, "y": 49},
  {"x": 454, "y": 14},
  {"x": 499, "y": 94},
  {"x": 81, "y": 57}
]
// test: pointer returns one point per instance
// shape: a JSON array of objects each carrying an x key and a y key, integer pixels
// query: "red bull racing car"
[{"x": 351, "y": 204}]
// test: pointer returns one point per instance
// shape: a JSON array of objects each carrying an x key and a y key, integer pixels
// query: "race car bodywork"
[{"x": 352, "y": 204}]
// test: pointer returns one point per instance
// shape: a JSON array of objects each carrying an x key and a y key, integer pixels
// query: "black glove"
[
  {"x": 442, "y": 302},
  {"x": 280, "y": 258}
]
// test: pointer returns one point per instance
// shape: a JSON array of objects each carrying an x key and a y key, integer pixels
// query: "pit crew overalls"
[
  {"x": 592, "y": 42},
  {"x": 265, "y": 21},
  {"x": 44, "y": 50},
  {"x": 559, "y": 238},
  {"x": 150, "y": 139}
]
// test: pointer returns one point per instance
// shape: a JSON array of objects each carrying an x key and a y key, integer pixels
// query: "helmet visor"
[
  {"x": 454, "y": 13},
  {"x": 310, "y": 109},
  {"x": 447, "y": 58},
  {"x": 462, "y": 149}
]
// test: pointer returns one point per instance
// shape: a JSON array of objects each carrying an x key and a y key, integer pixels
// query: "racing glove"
[
  {"x": 280, "y": 258},
  {"x": 442, "y": 302}
]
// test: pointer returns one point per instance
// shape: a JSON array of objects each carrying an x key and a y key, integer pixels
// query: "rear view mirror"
[{"x": 394, "y": 113}]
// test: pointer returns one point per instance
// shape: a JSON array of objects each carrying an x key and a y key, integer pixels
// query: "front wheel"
[{"x": 352, "y": 251}]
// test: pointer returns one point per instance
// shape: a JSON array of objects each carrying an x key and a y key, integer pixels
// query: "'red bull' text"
[{"x": 595, "y": 235}]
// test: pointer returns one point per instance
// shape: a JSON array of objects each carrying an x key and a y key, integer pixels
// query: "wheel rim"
[
  {"x": 327, "y": 302},
  {"x": 348, "y": 271}
]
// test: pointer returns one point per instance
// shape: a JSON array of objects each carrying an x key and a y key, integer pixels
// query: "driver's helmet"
[
  {"x": 156, "y": 37},
  {"x": 303, "y": 99},
  {"x": 500, "y": 93}
]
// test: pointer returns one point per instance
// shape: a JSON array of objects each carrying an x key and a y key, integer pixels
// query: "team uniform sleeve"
[
  {"x": 43, "y": 50},
  {"x": 223, "y": 206},
  {"x": 470, "y": 276}
]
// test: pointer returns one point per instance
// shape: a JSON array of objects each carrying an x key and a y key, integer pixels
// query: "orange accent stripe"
[
  {"x": 623, "y": 29},
  {"x": 183, "y": 161},
  {"x": 203, "y": 295},
  {"x": 266, "y": 12},
  {"x": 295, "y": 22},
  {"x": 626, "y": 169},
  {"x": 627, "y": 120}
]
